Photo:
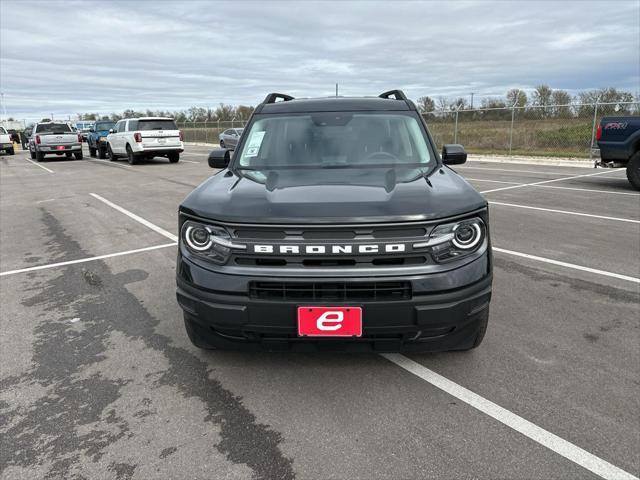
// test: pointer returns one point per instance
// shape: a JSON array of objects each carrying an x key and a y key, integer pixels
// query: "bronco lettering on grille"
[{"x": 329, "y": 249}]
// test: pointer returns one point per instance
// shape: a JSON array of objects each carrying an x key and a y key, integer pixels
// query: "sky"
[{"x": 65, "y": 57}]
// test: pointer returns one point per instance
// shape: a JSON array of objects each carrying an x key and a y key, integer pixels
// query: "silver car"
[{"x": 229, "y": 138}]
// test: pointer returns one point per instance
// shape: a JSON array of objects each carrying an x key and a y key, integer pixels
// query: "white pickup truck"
[
  {"x": 5, "y": 142},
  {"x": 55, "y": 138}
]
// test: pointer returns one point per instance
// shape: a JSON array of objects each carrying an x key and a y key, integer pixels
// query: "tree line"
[
  {"x": 543, "y": 100},
  {"x": 222, "y": 113}
]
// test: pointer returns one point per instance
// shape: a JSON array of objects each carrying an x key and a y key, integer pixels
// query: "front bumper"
[
  {"x": 4, "y": 146},
  {"x": 428, "y": 321}
]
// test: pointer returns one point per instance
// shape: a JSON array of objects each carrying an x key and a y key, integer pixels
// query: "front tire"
[
  {"x": 131, "y": 157},
  {"x": 197, "y": 334},
  {"x": 102, "y": 153},
  {"x": 174, "y": 157},
  {"x": 112, "y": 156},
  {"x": 39, "y": 156},
  {"x": 633, "y": 170}
]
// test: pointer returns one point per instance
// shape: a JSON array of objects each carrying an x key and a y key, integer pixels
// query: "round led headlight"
[
  {"x": 466, "y": 235},
  {"x": 198, "y": 238}
]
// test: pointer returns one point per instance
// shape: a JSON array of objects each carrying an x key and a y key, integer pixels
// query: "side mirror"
[
  {"x": 453, "y": 154},
  {"x": 219, "y": 158},
  {"x": 112, "y": 130}
]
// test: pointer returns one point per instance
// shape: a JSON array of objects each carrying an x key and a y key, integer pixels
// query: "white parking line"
[
  {"x": 545, "y": 438},
  {"x": 470, "y": 167},
  {"x": 566, "y": 212},
  {"x": 568, "y": 265},
  {"x": 545, "y": 181},
  {"x": 83, "y": 260},
  {"x": 187, "y": 161},
  {"x": 109, "y": 162},
  {"x": 135, "y": 217},
  {"x": 38, "y": 165},
  {"x": 492, "y": 181},
  {"x": 588, "y": 190}
]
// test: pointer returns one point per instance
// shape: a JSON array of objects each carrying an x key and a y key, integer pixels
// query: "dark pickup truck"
[{"x": 619, "y": 145}]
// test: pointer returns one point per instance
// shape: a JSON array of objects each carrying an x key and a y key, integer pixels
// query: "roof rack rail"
[
  {"x": 396, "y": 94},
  {"x": 273, "y": 97}
]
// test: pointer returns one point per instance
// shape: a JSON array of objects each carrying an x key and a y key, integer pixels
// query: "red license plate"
[
  {"x": 330, "y": 321},
  {"x": 60, "y": 147}
]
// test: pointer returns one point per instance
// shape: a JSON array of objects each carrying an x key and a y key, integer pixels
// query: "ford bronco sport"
[{"x": 336, "y": 225}]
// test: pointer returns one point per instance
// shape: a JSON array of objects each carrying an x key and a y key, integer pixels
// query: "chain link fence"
[
  {"x": 208, "y": 131},
  {"x": 551, "y": 130}
]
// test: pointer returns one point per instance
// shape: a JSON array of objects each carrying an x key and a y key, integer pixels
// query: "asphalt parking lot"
[{"x": 99, "y": 380}]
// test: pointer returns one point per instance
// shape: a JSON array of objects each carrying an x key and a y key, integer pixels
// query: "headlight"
[
  {"x": 454, "y": 240},
  {"x": 208, "y": 241}
]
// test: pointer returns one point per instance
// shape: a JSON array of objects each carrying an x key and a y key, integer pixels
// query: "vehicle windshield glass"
[
  {"x": 53, "y": 128},
  {"x": 335, "y": 140},
  {"x": 104, "y": 126},
  {"x": 157, "y": 125}
]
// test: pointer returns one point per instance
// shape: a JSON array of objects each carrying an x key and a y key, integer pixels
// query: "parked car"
[
  {"x": 619, "y": 146},
  {"x": 83, "y": 128},
  {"x": 336, "y": 225},
  {"x": 54, "y": 138},
  {"x": 97, "y": 138},
  {"x": 6, "y": 144},
  {"x": 229, "y": 138},
  {"x": 146, "y": 137}
]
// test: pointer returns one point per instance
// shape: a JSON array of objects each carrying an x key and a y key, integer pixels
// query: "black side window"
[
  {"x": 133, "y": 125},
  {"x": 120, "y": 126}
]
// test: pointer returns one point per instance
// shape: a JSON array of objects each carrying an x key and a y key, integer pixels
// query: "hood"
[{"x": 332, "y": 196}]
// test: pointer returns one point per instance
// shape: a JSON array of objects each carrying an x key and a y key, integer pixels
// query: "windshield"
[
  {"x": 104, "y": 126},
  {"x": 335, "y": 140},
  {"x": 53, "y": 128},
  {"x": 157, "y": 125}
]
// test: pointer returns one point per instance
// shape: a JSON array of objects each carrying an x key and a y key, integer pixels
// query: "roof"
[
  {"x": 148, "y": 118},
  {"x": 335, "y": 104}
]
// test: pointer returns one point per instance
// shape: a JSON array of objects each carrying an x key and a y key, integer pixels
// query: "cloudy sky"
[{"x": 64, "y": 57}]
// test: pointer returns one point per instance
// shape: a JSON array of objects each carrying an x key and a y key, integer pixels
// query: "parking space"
[{"x": 98, "y": 378}]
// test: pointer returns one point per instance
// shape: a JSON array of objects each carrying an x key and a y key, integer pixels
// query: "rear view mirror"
[
  {"x": 453, "y": 154},
  {"x": 219, "y": 158},
  {"x": 112, "y": 130}
]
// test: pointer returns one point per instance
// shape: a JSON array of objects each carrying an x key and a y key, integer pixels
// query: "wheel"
[
  {"x": 131, "y": 157},
  {"x": 92, "y": 152},
  {"x": 39, "y": 156},
  {"x": 33, "y": 155},
  {"x": 174, "y": 157},
  {"x": 112, "y": 156},
  {"x": 633, "y": 170},
  {"x": 79, "y": 155},
  {"x": 11, "y": 151},
  {"x": 222, "y": 143},
  {"x": 483, "y": 321},
  {"x": 197, "y": 334},
  {"x": 102, "y": 152}
]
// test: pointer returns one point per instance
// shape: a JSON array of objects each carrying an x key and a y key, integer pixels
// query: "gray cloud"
[{"x": 64, "y": 57}]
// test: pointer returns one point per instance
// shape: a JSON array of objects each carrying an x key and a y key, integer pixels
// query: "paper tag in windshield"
[{"x": 253, "y": 147}]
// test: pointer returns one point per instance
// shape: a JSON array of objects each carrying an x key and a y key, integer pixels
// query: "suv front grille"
[{"x": 332, "y": 291}]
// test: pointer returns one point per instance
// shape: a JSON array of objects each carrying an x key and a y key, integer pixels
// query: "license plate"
[
  {"x": 329, "y": 321},
  {"x": 60, "y": 147}
]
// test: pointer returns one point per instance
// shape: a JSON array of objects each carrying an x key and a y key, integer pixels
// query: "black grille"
[{"x": 332, "y": 291}]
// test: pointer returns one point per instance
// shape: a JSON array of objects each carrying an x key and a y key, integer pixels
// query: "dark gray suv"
[{"x": 336, "y": 225}]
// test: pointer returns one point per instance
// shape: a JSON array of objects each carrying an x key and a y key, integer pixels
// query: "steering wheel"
[{"x": 381, "y": 156}]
